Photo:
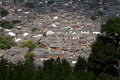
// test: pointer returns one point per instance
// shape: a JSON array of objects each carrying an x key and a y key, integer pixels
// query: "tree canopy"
[
  {"x": 3, "y": 12},
  {"x": 105, "y": 50},
  {"x": 6, "y": 42},
  {"x": 7, "y": 24},
  {"x": 81, "y": 65},
  {"x": 112, "y": 30},
  {"x": 28, "y": 43}
]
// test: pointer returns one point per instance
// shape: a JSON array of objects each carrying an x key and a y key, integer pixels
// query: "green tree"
[
  {"x": 18, "y": 71},
  {"x": 38, "y": 74},
  {"x": 3, "y": 68},
  {"x": 29, "y": 57},
  {"x": 3, "y": 12},
  {"x": 112, "y": 30},
  {"x": 89, "y": 75},
  {"x": 28, "y": 66},
  {"x": 104, "y": 76},
  {"x": 6, "y": 42},
  {"x": 67, "y": 70},
  {"x": 81, "y": 65},
  {"x": 6, "y": 24},
  {"x": 33, "y": 29},
  {"x": 48, "y": 69},
  {"x": 9, "y": 74},
  {"x": 28, "y": 43},
  {"x": 105, "y": 50},
  {"x": 57, "y": 69},
  {"x": 104, "y": 56}
]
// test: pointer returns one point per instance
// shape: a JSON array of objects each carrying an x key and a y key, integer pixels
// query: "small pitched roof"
[
  {"x": 11, "y": 34},
  {"x": 49, "y": 32},
  {"x": 25, "y": 34}
]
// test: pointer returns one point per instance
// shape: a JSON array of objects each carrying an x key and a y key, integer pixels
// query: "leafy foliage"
[
  {"x": 28, "y": 43},
  {"x": 7, "y": 24},
  {"x": 6, "y": 42},
  {"x": 29, "y": 57},
  {"x": 33, "y": 29},
  {"x": 112, "y": 30},
  {"x": 3, "y": 12},
  {"x": 52, "y": 70},
  {"x": 105, "y": 50},
  {"x": 81, "y": 65},
  {"x": 104, "y": 76}
]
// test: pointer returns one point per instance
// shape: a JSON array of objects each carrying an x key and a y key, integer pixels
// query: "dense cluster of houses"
[{"x": 58, "y": 34}]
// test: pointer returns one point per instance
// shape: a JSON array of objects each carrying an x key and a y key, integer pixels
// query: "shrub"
[
  {"x": 28, "y": 43},
  {"x": 33, "y": 29},
  {"x": 3, "y": 12},
  {"x": 6, "y": 42},
  {"x": 6, "y": 24}
]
